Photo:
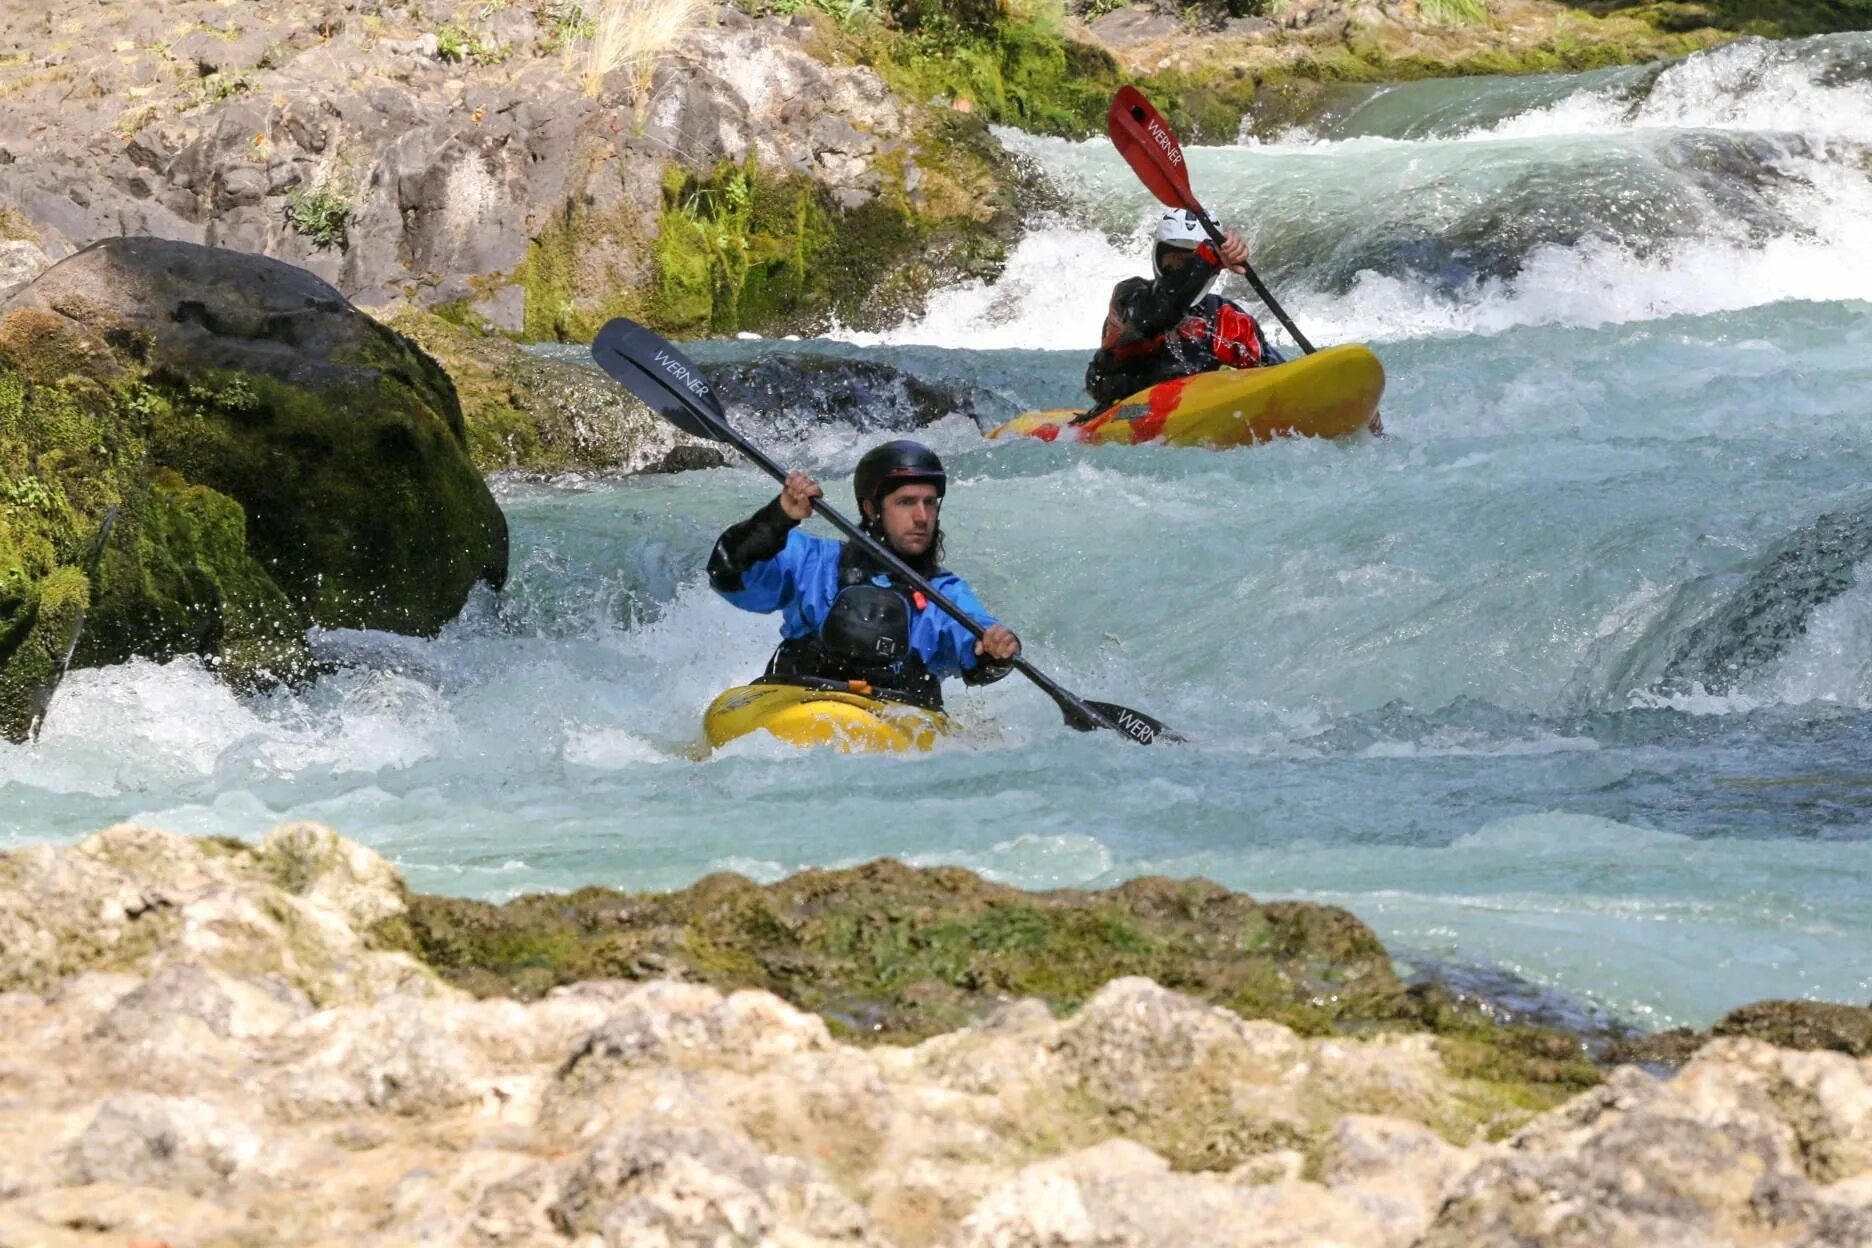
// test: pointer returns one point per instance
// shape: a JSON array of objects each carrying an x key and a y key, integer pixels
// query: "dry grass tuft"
[{"x": 631, "y": 34}]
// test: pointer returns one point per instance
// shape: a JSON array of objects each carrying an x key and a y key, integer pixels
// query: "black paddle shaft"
[
  {"x": 1254, "y": 279},
  {"x": 657, "y": 373}
]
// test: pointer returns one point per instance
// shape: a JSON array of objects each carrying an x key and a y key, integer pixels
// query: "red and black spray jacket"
[{"x": 1159, "y": 330}]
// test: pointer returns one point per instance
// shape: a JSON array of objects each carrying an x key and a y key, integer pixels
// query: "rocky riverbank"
[
  {"x": 535, "y": 167},
  {"x": 214, "y": 1043}
]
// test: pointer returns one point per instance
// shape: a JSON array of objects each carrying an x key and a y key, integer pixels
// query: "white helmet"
[{"x": 1177, "y": 228}]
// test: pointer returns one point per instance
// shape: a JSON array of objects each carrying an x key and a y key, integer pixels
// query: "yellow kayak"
[
  {"x": 1324, "y": 395},
  {"x": 847, "y": 719}
]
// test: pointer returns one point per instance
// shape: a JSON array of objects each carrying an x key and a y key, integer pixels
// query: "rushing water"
[{"x": 1569, "y": 675}]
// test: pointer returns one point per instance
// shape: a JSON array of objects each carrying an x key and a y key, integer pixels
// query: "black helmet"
[{"x": 886, "y": 467}]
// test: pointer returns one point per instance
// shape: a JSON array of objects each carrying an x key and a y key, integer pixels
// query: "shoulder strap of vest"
[{"x": 855, "y": 568}]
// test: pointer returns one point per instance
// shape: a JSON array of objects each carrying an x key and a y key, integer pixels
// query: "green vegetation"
[
  {"x": 1771, "y": 19},
  {"x": 1454, "y": 12},
  {"x": 319, "y": 214},
  {"x": 174, "y": 507},
  {"x": 889, "y": 952},
  {"x": 455, "y": 44},
  {"x": 567, "y": 23},
  {"x": 209, "y": 88},
  {"x": 745, "y": 247}
]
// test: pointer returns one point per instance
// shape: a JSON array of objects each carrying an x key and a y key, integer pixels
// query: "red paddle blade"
[{"x": 1146, "y": 142}]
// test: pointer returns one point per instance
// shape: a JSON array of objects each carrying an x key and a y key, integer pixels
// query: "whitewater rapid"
[
  {"x": 1566, "y": 677},
  {"x": 1733, "y": 180}
]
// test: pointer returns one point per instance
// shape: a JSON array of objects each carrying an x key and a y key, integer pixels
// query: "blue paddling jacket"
[{"x": 842, "y": 617}]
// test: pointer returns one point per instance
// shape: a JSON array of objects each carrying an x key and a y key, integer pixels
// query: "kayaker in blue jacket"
[
  {"x": 843, "y": 617},
  {"x": 1171, "y": 325}
]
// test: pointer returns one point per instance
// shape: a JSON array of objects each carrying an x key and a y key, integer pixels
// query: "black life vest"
[{"x": 864, "y": 637}]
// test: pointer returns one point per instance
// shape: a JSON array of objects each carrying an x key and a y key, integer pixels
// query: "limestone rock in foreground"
[
  {"x": 292, "y": 911},
  {"x": 201, "y": 1048}
]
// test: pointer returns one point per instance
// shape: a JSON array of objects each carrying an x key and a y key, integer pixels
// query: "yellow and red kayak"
[
  {"x": 1328, "y": 394},
  {"x": 849, "y": 719}
]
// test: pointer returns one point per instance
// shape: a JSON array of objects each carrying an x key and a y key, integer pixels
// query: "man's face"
[
  {"x": 1170, "y": 259},
  {"x": 909, "y": 517}
]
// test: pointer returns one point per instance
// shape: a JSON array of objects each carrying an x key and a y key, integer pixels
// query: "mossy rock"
[
  {"x": 227, "y": 453},
  {"x": 547, "y": 417},
  {"x": 1788, "y": 1024},
  {"x": 342, "y": 441},
  {"x": 1803, "y": 1025},
  {"x": 744, "y": 247},
  {"x": 39, "y": 623},
  {"x": 1772, "y": 19},
  {"x": 886, "y": 951}
]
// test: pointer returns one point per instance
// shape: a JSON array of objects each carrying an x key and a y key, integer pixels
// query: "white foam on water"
[
  {"x": 1749, "y": 86},
  {"x": 1815, "y": 132}
]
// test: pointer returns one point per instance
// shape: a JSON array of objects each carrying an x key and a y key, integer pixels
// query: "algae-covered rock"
[
  {"x": 1803, "y": 1025},
  {"x": 204, "y": 452},
  {"x": 549, "y": 417},
  {"x": 1790, "y": 1024},
  {"x": 892, "y": 951}
]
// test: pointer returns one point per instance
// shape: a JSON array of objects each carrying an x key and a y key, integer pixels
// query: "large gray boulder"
[{"x": 208, "y": 452}]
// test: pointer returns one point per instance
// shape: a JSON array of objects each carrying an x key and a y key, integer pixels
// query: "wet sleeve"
[
  {"x": 748, "y": 547},
  {"x": 1151, "y": 308},
  {"x": 957, "y": 644},
  {"x": 986, "y": 671}
]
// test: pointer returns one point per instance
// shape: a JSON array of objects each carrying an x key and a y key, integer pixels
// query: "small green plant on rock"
[
  {"x": 452, "y": 44},
  {"x": 457, "y": 43},
  {"x": 319, "y": 214},
  {"x": 846, "y": 12},
  {"x": 209, "y": 88},
  {"x": 1454, "y": 12},
  {"x": 28, "y": 492},
  {"x": 567, "y": 23}
]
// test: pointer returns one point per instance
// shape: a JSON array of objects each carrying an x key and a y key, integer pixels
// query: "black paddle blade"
[
  {"x": 668, "y": 382},
  {"x": 1140, "y": 727}
]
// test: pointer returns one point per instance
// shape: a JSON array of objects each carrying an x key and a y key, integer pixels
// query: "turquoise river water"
[{"x": 1568, "y": 677}]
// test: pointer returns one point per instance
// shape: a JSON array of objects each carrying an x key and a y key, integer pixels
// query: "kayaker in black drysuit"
[
  {"x": 844, "y": 618},
  {"x": 1171, "y": 326}
]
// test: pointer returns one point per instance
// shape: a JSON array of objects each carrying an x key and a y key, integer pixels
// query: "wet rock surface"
[
  {"x": 207, "y": 1042},
  {"x": 549, "y": 418},
  {"x": 793, "y": 393},
  {"x": 207, "y": 452}
]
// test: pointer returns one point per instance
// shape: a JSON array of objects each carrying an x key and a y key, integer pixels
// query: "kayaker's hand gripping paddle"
[
  {"x": 1145, "y": 140},
  {"x": 674, "y": 388}
]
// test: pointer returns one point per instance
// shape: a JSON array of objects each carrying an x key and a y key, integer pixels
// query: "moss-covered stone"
[
  {"x": 1019, "y": 64},
  {"x": 222, "y": 458},
  {"x": 1789, "y": 1024},
  {"x": 571, "y": 277},
  {"x": 736, "y": 248},
  {"x": 547, "y": 417},
  {"x": 39, "y": 624},
  {"x": 1803, "y": 1025},
  {"x": 1770, "y": 19},
  {"x": 1014, "y": 65},
  {"x": 885, "y": 951}
]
